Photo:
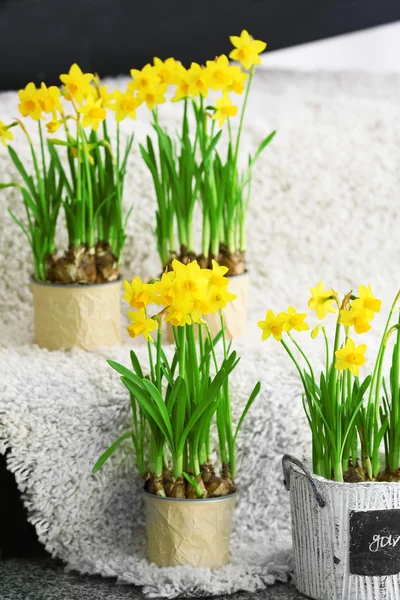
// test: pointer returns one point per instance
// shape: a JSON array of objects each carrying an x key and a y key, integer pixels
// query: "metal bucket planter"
[
  {"x": 235, "y": 313},
  {"x": 346, "y": 536},
  {"x": 189, "y": 532},
  {"x": 85, "y": 316}
]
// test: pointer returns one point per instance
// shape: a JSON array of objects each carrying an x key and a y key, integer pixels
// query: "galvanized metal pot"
[
  {"x": 346, "y": 536},
  {"x": 189, "y": 532}
]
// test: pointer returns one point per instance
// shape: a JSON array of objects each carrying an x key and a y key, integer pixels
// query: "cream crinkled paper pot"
[
  {"x": 189, "y": 532},
  {"x": 87, "y": 316}
]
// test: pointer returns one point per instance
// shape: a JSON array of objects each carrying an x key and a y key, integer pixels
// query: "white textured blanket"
[{"x": 325, "y": 206}]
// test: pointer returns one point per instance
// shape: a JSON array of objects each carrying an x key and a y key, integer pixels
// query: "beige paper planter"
[
  {"x": 86, "y": 316},
  {"x": 189, "y": 532},
  {"x": 235, "y": 313}
]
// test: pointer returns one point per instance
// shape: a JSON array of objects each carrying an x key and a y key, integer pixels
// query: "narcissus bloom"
[
  {"x": 93, "y": 113},
  {"x": 350, "y": 357},
  {"x": 219, "y": 298},
  {"x": 238, "y": 80},
  {"x": 166, "y": 70},
  {"x": 273, "y": 325},
  {"x": 182, "y": 84},
  {"x": 247, "y": 49},
  {"x": 141, "y": 325},
  {"x": 217, "y": 275},
  {"x": 49, "y": 98},
  {"x": 53, "y": 125},
  {"x": 219, "y": 73},
  {"x": 125, "y": 105},
  {"x": 138, "y": 294},
  {"x": 144, "y": 79},
  {"x": 77, "y": 84},
  {"x": 29, "y": 102},
  {"x": 359, "y": 318},
  {"x": 198, "y": 80},
  {"x": 5, "y": 134},
  {"x": 295, "y": 320},
  {"x": 321, "y": 301},
  {"x": 225, "y": 109},
  {"x": 367, "y": 300},
  {"x": 153, "y": 95}
]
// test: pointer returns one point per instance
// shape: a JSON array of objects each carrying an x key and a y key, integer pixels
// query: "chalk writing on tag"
[{"x": 375, "y": 542}]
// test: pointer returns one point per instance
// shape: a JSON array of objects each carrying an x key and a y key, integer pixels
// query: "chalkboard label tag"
[{"x": 375, "y": 542}]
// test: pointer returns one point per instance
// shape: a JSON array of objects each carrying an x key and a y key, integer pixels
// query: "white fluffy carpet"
[{"x": 325, "y": 206}]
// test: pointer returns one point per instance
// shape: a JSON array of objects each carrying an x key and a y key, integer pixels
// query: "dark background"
[{"x": 41, "y": 38}]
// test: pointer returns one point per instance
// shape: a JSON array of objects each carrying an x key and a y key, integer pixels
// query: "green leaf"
[
  {"x": 261, "y": 147},
  {"x": 120, "y": 369},
  {"x": 250, "y": 401},
  {"x": 104, "y": 457}
]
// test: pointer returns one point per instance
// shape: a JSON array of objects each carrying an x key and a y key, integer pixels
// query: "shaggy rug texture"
[{"x": 324, "y": 206}]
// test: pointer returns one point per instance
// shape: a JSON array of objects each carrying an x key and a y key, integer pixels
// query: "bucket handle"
[{"x": 287, "y": 462}]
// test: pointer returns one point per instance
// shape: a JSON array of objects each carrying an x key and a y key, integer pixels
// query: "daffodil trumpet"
[
  {"x": 87, "y": 185},
  {"x": 178, "y": 400},
  {"x": 189, "y": 170},
  {"x": 350, "y": 422}
]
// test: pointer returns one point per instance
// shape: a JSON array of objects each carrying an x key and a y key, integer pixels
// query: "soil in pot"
[{"x": 84, "y": 264}]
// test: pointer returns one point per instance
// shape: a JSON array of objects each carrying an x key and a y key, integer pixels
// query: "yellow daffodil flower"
[
  {"x": 217, "y": 275},
  {"x": 220, "y": 74},
  {"x": 359, "y": 318},
  {"x": 153, "y": 95},
  {"x": 247, "y": 49},
  {"x": 273, "y": 325},
  {"x": 5, "y": 134},
  {"x": 166, "y": 70},
  {"x": 77, "y": 84},
  {"x": 179, "y": 313},
  {"x": 93, "y": 113},
  {"x": 138, "y": 294},
  {"x": 182, "y": 84},
  {"x": 198, "y": 80},
  {"x": 49, "y": 98},
  {"x": 144, "y": 79},
  {"x": 367, "y": 300},
  {"x": 106, "y": 96},
  {"x": 53, "y": 125},
  {"x": 141, "y": 325},
  {"x": 219, "y": 298},
  {"x": 295, "y": 320},
  {"x": 321, "y": 301},
  {"x": 350, "y": 357},
  {"x": 225, "y": 109},
  {"x": 125, "y": 105},
  {"x": 165, "y": 289},
  {"x": 238, "y": 78},
  {"x": 29, "y": 102}
]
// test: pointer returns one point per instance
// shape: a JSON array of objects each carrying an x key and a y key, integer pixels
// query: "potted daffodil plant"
[
  {"x": 346, "y": 504},
  {"x": 178, "y": 399},
  {"x": 191, "y": 169},
  {"x": 81, "y": 175}
]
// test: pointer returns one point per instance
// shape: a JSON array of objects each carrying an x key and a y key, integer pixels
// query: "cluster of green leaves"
[
  {"x": 89, "y": 189},
  {"x": 350, "y": 419},
  {"x": 176, "y": 404},
  {"x": 187, "y": 169},
  {"x": 94, "y": 181},
  {"x": 42, "y": 195}
]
